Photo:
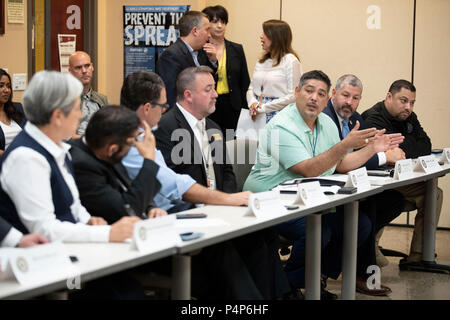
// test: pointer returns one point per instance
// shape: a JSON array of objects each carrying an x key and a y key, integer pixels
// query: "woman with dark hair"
[
  {"x": 232, "y": 72},
  {"x": 277, "y": 72},
  {"x": 12, "y": 118}
]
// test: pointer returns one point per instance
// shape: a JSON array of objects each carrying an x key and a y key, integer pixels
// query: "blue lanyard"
[{"x": 313, "y": 145}]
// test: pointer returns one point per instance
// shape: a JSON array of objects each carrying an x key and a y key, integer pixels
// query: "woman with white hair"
[{"x": 38, "y": 193}]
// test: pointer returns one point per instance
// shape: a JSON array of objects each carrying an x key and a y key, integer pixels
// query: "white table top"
[{"x": 101, "y": 259}]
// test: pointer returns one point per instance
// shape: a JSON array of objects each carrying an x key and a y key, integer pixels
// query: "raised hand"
[
  {"x": 146, "y": 147},
  {"x": 211, "y": 52},
  {"x": 359, "y": 138},
  {"x": 396, "y": 140}
]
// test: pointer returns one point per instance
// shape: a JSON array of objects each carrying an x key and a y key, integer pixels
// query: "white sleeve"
[
  {"x": 12, "y": 239},
  {"x": 25, "y": 177},
  {"x": 381, "y": 158},
  {"x": 250, "y": 92},
  {"x": 293, "y": 71}
]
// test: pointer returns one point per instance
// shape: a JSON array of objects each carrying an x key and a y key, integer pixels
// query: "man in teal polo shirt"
[{"x": 302, "y": 142}]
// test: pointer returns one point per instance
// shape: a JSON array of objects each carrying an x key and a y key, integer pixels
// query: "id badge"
[{"x": 211, "y": 184}]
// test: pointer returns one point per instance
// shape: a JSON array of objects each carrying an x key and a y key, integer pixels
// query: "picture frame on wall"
[{"x": 2, "y": 16}]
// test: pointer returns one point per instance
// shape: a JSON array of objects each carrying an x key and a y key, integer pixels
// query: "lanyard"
[{"x": 314, "y": 142}]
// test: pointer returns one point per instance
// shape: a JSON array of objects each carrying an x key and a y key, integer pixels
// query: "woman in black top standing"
[{"x": 232, "y": 72}]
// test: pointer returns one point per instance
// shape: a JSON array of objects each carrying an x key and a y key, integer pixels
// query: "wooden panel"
[
  {"x": 432, "y": 69},
  {"x": 39, "y": 35},
  {"x": 2, "y": 17},
  {"x": 65, "y": 21},
  {"x": 333, "y": 36}
]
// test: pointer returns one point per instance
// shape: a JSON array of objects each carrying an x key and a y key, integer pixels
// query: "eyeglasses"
[{"x": 164, "y": 106}]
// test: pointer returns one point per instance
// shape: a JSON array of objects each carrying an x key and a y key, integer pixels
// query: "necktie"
[
  {"x": 195, "y": 57},
  {"x": 345, "y": 130},
  {"x": 209, "y": 168}
]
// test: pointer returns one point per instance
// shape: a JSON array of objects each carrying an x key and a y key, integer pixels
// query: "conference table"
[{"x": 225, "y": 223}]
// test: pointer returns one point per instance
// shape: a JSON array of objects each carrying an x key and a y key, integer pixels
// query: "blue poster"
[{"x": 148, "y": 30}]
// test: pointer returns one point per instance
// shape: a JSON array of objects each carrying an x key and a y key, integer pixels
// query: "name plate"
[
  {"x": 403, "y": 169},
  {"x": 359, "y": 179},
  {"x": 38, "y": 264},
  {"x": 310, "y": 194},
  {"x": 427, "y": 164},
  {"x": 155, "y": 234},
  {"x": 445, "y": 155},
  {"x": 265, "y": 204}
]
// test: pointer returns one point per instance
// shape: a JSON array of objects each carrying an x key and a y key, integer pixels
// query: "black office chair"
[{"x": 409, "y": 206}]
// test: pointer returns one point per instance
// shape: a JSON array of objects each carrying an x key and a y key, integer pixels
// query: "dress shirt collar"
[
  {"x": 189, "y": 117},
  {"x": 189, "y": 47},
  {"x": 57, "y": 151},
  {"x": 340, "y": 119},
  {"x": 87, "y": 95}
]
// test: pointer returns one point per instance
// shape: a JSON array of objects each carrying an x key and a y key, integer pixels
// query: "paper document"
[{"x": 247, "y": 128}]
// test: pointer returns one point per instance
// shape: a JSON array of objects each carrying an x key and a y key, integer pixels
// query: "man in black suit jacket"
[
  {"x": 196, "y": 98},
  {"x": 190, "y": 50},
  {"x": 389, "y": 204},
  {"x": 104, "y": 186},
  {"x": 11, "y": 237},
  {"x": 342, "y": 106}
]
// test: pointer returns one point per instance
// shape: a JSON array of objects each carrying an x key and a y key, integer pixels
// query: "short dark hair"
[
  {"x": 218, "y": 12},
  {"x": 190, "y": 20},
  {"x": 111, "y": 124},
  {"x": 186, "y": 79},
  {"x": 139, "y": 88},
  {"x": 397, "y": 85},
  {"x": 317, "y": 75}
]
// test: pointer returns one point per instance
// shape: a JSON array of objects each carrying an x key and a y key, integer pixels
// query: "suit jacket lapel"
[
  {"x": 229, "y": 52},
  {"x": 351, "y": 122},
  {"x": 335, "y": 118},
  {"x": 121, "y": 181},
  {"x": 185, "y": 51}
]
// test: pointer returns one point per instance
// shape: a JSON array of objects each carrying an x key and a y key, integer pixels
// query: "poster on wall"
[
  {"x": 16, "y": 11},
  {"x": 66, "y": 18},
  {"x": 67, "y": 44},
  {"x": 148, "y": 30}
]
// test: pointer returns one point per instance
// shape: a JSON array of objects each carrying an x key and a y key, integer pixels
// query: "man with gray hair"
[
  {"x": 190, "y": 50},
  {"x": 81, "y": 67},
  {"x": 341, "y": 108}
]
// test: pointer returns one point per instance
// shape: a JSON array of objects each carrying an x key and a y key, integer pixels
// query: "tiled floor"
[{"x": 409, "y": 285}]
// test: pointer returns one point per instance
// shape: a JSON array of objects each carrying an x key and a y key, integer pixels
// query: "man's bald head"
[{"x": 81, "y": 67}]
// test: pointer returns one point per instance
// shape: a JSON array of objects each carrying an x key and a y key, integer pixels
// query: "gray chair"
[{"x": 242, "y": 155}]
